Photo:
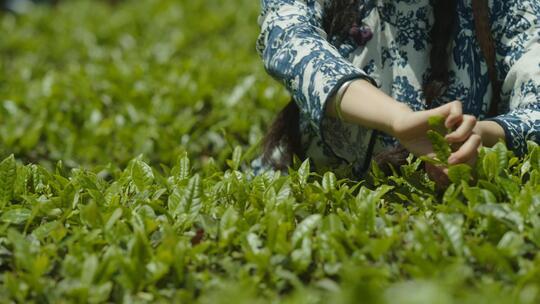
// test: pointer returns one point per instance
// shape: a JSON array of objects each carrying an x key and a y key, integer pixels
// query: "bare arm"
[{"x": 366, "y": 105}]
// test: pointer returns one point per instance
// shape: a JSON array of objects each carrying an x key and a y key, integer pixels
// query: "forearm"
[
  {"x": 490, "y": 131},
  {"x": 365, "y": 105}
]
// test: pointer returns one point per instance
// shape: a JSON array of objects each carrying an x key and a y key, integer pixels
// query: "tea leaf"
[
  {"x": 8, "y": 172},
  {"x": 452, "y": 225},
  {"x": 303, "y": 173},
  {"x": 440, "y": 146},
  {"x": 458, "y": 173},
  {"x": 142, "y": 175},
  {"x": 305, "y": 228},
  {"x": 16, "y": 216}
]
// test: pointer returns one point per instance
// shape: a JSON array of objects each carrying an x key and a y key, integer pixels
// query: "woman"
[{"x": 366, "y": 76}]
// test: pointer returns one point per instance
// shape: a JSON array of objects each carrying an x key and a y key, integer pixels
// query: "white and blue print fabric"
[{"x": 297, "y": 52}]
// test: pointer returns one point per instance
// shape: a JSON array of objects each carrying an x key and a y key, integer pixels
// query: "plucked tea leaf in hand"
[
  {"x": 440, "y": 146},
  {"x": 436, "y": 135},
  {"x": 436, "y": 123}
]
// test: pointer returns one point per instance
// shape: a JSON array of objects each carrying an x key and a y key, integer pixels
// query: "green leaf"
[
  {"x": 501, "y": 152},
  {"x": 8, "y": 175},
  {"x": 91, "y": 215},
  {"x": 303, "y": 173},
  {"x": 142, "y": 175},
  {"x": 89, "y": 270},
  {"x": 182, "y": 169},
  {"x": 234, "y": 163},
  {"x": 16, "y": 216},
  {"x": 301, "y": 257},
  {"x": 452, "y": 225},
  {"x": 227, "y": 226},
  {"x": 41, "y": 265},
  {"x": 254, "y": 242},
  {"x": 366, "y": 203},
  {"x": 284, "y": 192},
  {"x": 440, "y": 146},
  {"x": 45, "y": 229},
  {"x": 476, "y": 196},
  {"x": 436, "y": 123},
  {"x": 115, "y": 216},
  {"x": 487, "y": 197},
  {"x": 100, "y": 293},
  {"x": 329, "y": 182},
  {"x": 436, "y": 135},
  {"x": 503, "y": 213},
  {"x": 510, "y": 187},
  {"x": 22, "y": 250},
  {"x": 332, "y": 224},
  {"x": 490, "y": 166},
  {"x": 305, "y": 228},
  {"x": 433, "y": 161},
  {"x": 459, "y": 173},
  {"x": 187, "y": 200},
  {"x": 534, "y": 154},
  {"x": 512, "y": 243}
]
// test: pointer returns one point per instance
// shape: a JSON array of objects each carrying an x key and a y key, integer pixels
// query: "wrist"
[
  {"x": 383, "y": 110},
  {"x": 490, "y": 132},
  {"x": 479, "y": 130},
  {"x": 399, "y": 112}
]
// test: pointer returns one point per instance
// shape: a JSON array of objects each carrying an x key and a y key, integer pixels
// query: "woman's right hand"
[
  {"x": 367, "y": 106},
  {"x": 411, "y": 129}
]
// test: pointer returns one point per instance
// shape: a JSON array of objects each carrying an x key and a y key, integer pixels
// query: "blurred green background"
[
  {"x": 97, "y": 83},
  {"x": 93, "y": 82}
]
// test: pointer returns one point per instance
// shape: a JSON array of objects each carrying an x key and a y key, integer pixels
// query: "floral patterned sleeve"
[
  {"x": 517, "y": 31},
  {"x": 296, "y": 52}
]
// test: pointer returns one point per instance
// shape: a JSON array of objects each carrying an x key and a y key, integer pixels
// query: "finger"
[
  {"x": 464, "y": 130},
  {"x": 455, "y": 115},
  {"x": 468, "y": 152}
]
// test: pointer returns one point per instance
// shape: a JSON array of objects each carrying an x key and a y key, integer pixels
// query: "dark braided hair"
[
  {"x": 339, "y": 16},
  {"x": 440, "y": 35}
]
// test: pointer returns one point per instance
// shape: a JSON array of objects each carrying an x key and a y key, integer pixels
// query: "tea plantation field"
[{"x": 126, "y": 133}]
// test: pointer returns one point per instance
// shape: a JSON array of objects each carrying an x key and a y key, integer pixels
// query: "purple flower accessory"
[{"x": 361, "y": 34}]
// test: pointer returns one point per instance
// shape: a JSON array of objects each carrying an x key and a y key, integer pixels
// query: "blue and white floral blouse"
[{"x": 297, "y": 52}]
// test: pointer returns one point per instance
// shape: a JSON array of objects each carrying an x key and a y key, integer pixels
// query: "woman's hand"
[
  {"x": 490, "y": 131},
  {"x": 411, "y": 129},
  {"x": 367, "y": 106}
]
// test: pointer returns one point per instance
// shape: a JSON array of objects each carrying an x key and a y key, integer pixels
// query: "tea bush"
[{"x": 126, "y": 133}]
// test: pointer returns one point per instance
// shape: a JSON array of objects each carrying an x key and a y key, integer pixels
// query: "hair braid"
[{"x": 439, "y": 58}]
